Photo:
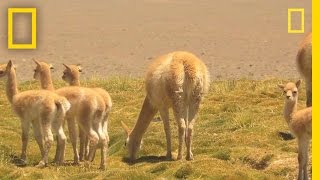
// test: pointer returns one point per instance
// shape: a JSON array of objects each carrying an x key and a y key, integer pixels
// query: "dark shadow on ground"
[
  {"x": 286, "y": 136},
  {"x": 148, "y": 159}
]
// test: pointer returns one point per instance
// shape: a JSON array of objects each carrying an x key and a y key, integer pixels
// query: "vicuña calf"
[
  {"x": 42, "y": 108},
  {"x": 177, "y": 80},
  {"x": 87, "y": 108},
  {"x": 300, "y": 123},
  {"x": 304, "y": 63},
  {"x": 72, "y": 76}
]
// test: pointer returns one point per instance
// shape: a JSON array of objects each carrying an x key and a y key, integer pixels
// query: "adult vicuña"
[
  {"x": 177, "y": 80},
  {"x": 304, "y": 63},
  {"x": 72, "y": 76},
  {"x": 300, "y": 123},
  {"x": 42, "y": 108},
  {"x": 87, "y": 108}
]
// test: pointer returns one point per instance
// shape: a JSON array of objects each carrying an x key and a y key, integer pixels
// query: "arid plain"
[{"x": 235, "y": 38}]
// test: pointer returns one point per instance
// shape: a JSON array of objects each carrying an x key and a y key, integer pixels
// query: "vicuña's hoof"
[
  {"x": 41, "y": 165},
  {"x": 169, "y": 156},
  {"x": 102, "y": 167},
  {"x": 179, "y": 157},
  {"x": 60, "y": 163},
  {"x": 19, "y": 162},
  {"x": 189, "y": 157},
  {"x": 76, "y": 163}
]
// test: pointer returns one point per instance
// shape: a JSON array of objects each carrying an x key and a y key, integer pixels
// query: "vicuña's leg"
[
  {"x": 105, "y": 125},
  {"x": 73, "y": 138},
  {"x": 86, "y": 121},
  {"x": 179, "y": 113},
  {"x": 306, "y": 152},
  {"x": 25, "y": 124},
  {"x": 62, "y": 144},
  {"x": 83, "y": 144},
  {"x": 48, "y": 138},
  {"x": 309, "y": 92},
  {"x": 193, "y": 110},
  {"x": 38, "y": 136},
  {"x": 56, "y": 156},
  {"x": 164, "y": 113},
  {"x": 93, "y": 139},
  {"x": 104, "y": 144},
  {"x": 303, "y": 144}
]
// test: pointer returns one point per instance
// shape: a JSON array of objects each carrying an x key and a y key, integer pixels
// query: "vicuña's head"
[
  {"x": 290, "y": 90},
  {"x": 41, "y": 69},
  {"x": 132, "y": 145},
  {"x": 71, "y": 73},
  {"x": 6, "y": 68}
]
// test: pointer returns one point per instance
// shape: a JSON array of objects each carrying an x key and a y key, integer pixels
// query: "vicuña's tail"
[{"x": 63, "y": 105}]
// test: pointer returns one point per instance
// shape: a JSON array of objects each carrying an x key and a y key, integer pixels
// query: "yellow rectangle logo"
[
  {"x": 290, "y": 30},
  {"x": 33, "y": 44}
]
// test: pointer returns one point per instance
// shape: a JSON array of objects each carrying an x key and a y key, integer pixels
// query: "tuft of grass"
[
  {"x": 258, "y": 162},
  {"x": 235, "y": 136},
  {"x": 159, "y": 168},
  {"x": 184, "y": 171},
  {"x": 223, "y": 154}
]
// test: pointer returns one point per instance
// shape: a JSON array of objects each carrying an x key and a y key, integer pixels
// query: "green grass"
[{"x": 235, "y": 136}]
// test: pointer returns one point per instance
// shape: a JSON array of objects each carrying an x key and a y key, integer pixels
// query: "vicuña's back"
[
  {"x": 304, "y": 63},
  {"x": 176, "y": 80},
  {"x": 177, "y": 72}
]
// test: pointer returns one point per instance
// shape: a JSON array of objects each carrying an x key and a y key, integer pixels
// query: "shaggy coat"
[
  {"x": 87, "y": 109},
  {"x": 72, "y": 76},
  {"x": 300, "y": 124},
  {"x": 41, "y": 108},
  {"x": 177, "y": 80},
  {"x": 304, "y": 63}
]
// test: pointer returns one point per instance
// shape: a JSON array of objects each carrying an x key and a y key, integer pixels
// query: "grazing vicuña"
[{"x": 177, "y": 80}]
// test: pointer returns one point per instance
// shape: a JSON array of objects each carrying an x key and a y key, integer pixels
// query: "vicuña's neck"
[
  {"x": 46, "y": 81},
  {"x": 11, "y": 88},
  {"x": 146, "y": 115},
  {"x": 289, "y": 110},
  {"x": 75, "y": 82}
]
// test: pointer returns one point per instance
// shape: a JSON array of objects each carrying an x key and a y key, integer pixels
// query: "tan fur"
[
  {"x": 304, "y": 63},
  {"x": 177, "y": 80},
  {"x": 87, "y": 108},
  {"x": 72, "y": 76},
  {"x": 300, "y": 123},
  {"x": 41, "y": 108}
]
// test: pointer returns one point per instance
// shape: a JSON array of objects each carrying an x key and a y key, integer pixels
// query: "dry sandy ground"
[{"x": 235, "y": 38}]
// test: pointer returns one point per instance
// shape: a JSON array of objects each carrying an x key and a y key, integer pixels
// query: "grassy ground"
[{"x": 236, "y": 137}]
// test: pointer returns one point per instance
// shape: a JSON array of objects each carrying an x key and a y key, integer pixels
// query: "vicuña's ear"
[
  {"x": 126, "y": 128},
  {"x": 298, "y": 83},
  {"x": 67, "y": 66},
  {"x": 9, "y": 65},
  {"x": 37, "y": 62},
  {"x": 51, "y": 66},
  {"x": 79, "y": 68},
  {"x": 281, "y": 86}
]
